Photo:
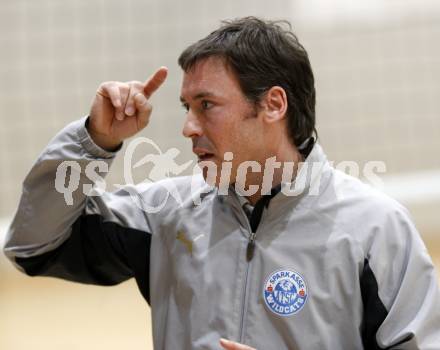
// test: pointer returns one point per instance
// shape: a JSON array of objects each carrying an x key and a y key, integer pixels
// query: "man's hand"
[
  {"x": 230, "y": 345},
  {"x": 120, "y": 110}
]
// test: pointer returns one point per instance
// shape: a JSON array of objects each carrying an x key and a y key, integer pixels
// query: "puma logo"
[{"x": 187, "y": 242}]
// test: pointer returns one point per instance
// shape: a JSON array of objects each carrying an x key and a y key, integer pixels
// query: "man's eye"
[
  {"x": 206, "y": 104},
  {"x": 185, "y": 106}
]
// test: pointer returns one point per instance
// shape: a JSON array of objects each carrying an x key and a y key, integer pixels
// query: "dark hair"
[{"x": 263, "y": 54}]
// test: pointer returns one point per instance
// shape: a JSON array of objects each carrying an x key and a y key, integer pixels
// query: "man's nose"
[{"x": 192, "y": 126}]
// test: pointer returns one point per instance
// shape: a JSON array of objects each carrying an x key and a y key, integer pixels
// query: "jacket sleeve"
[
  {"x": 399, "y": 289},
  {"x": 61, "y": 230}
]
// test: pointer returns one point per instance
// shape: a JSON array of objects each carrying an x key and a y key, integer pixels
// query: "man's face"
[{"x": 219, "y": 118}]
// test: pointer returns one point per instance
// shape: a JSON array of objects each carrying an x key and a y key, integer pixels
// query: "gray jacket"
[{"x": 335, "y": 266}]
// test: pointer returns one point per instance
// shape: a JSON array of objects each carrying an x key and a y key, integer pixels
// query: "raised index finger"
[{"x": 155, "y": 81}]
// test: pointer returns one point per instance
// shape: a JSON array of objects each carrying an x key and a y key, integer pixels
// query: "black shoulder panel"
[
  {"x": 97, "y": 252},
  {"x": 374, "y": 310}
]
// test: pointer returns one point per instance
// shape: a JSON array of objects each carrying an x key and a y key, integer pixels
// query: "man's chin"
[
  {"x": 217, "y": 174},
  {"x": 210, "y": 179},
  {"x": 209, "y": 170}
]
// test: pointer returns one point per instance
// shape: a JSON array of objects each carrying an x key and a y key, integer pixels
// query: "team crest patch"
[{"x": 285, "y": 292}]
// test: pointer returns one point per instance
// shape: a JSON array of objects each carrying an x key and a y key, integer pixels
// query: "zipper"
[
  {"x": 250, "y": 248},
  {"x": 252, "y": 225}
]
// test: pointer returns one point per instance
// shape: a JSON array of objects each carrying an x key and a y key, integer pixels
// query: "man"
[{"x": 331, "y": 264}]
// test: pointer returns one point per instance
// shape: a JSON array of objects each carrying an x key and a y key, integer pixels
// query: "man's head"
[{"x": 268, "y": 77}]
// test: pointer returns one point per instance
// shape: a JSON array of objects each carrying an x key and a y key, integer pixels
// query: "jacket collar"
[{"x": 308, "y": 183}]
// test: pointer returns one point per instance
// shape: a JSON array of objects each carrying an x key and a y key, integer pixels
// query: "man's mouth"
[{"x": 203, "y": 155}]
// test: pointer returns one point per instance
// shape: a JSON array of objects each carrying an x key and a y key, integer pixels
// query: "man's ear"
[{"x": 274, "y": 104}]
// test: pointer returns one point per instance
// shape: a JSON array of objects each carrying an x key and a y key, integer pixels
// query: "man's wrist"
[{"x": 103, "y": 141}]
